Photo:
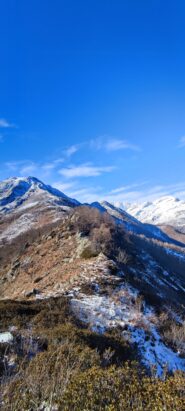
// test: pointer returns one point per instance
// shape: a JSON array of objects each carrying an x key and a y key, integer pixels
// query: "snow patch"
[
  {"x": 102, "y": 312},
  {"x": 6, "y": 337}
]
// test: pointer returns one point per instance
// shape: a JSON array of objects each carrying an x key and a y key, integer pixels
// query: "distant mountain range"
[
  {"x": 24, "y": 193},
  {"x": 28, "y": 203},
  {"x": 166, "y": 210}
]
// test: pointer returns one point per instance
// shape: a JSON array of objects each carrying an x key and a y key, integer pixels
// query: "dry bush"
[
  {"x": 80, "y": 369},
  {"x": 89, "y": 252},
  {"x": 89, "y": 221},
  {"x": 84, "y": 219},
  {"x": 70, "y": 351},
  {"x": 175, "y": 337},
  {"x": 104, "y": 233},
  {"x": 172, "y": 333},
  {"x": 139, "y": 303},
  {"x": 118, "y": 389},
  {"x": 123, "y": 257},
  {"x": 101, "y": 238},
  {"x": 47, "y": 376}
]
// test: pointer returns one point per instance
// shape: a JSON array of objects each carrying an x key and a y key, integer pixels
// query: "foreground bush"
[
  {"x": 123, "y": 389},
  {"x": 71, "y": 379},
  {"x": 47, "y": 376},
  {"x": 80, "y": 370}
]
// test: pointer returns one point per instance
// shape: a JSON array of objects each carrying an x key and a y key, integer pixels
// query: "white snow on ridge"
[
  {"x": 165, "y": 210},
  {"x": 27, "y": 203},
  {"x": 103, "y": 312},
  {"x": 19, "y": 226},
  {"x": 6, "y": 337},
  {"x": 19, "y": 192},
  {"x": 155, "y": 352}
]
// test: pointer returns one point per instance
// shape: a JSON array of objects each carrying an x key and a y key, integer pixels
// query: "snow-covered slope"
[
  {"x": 166, "y": 210},
  {"x": 131, "y": 223},
  {"x": 26, "y": 192},
  {"x": 118, "y": 309},
  {"x": 27, "y": 203}
]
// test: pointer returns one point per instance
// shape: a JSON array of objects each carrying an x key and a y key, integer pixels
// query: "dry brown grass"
[{"x": 172, "y": 333}]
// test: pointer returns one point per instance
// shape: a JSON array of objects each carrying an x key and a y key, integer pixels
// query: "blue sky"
[{"x": 92, "y": 96}]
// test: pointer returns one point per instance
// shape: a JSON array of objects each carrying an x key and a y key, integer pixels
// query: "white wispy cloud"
[
  {"x": 58, "y": 161},
  {"x": 112, "y": 144},
  {"x": 15, "y": 165},
  {"x": 71, "y": 150},
  {"x": 49, "y": 166},
  {"x": 49, "y": 172},
  {"x": 127, "y": 187},
  {"x": 129, "y": 195},
  {"x": 63, "y": 186},
  {"x": 181, "y": 142},
  {"x": 84, "y": 170},
  {"x": 25, "y": 167},
  {"x": 28, "y": 169},
  {"x": 86, "y": 194},
  {"x": 5, "y": 123},
  {"x": 147, "y": 193}
]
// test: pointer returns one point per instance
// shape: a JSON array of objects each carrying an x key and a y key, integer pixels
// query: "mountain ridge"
[
  {"x": 29, "y": 201},
  {"x": 167, "y": 210},
  {"x": 20, "y": 188},
  {"x": 116, "y": 272}
]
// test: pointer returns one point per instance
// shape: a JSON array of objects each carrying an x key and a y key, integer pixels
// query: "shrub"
[
  {"x": 117, "y": 389},
  {"x": 172, "y": 333},
  {"x": 47, "y": 376},
  {"x": 104, "y": 233},
  {"x": 89, "y": 252}
]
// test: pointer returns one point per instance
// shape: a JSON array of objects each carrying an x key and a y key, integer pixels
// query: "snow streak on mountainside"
[
  {"x": 133, "y": 224},
  {"x": 27, "y": 204},
  {"x": 104, "y": 312},
  {"x": 166, "y": 210},
  {"x": 26, "y": 192}
]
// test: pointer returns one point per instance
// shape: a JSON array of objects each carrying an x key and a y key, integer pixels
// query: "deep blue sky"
[{"x": 92, "y": 96}]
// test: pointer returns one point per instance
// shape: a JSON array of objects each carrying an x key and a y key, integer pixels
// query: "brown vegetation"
[
  {"x": 77, "y": 369},
  {"x": 172, "y": 333}
]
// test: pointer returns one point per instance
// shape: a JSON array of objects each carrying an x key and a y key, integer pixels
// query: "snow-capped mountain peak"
[
  {"x": 130, "y": 222},
  {"x": 165, "y": 210},
  {"x": 26, "y": 203},
  {"x": 19, "y": 191}
]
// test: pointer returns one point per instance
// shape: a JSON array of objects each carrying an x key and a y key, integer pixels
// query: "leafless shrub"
[
  {"x": 123, "y": 257},
  {"x": 139, "y": 303},
  {"x": 175, "y": 336},
  {"x": 107, "y": 356},
  {"x": 45, "y": 379},
  {"x": 172, "y": 333}
]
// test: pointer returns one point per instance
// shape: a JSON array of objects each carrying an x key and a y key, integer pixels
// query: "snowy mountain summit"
[
  {"x": 27, "y": 192},
  {"x": 167, "y": 210},
  {"x": 27, "y": 204}
]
